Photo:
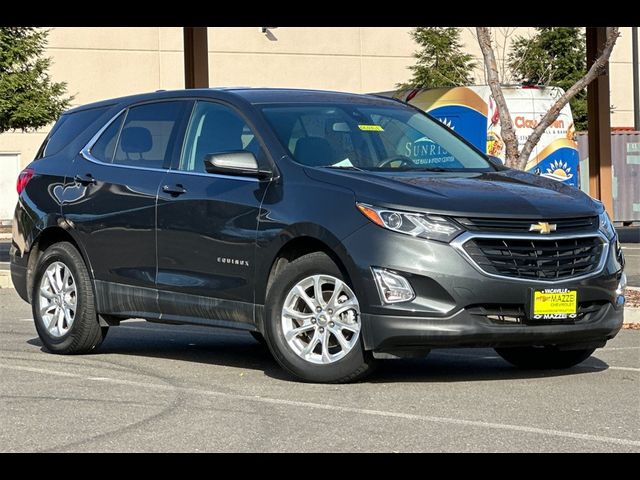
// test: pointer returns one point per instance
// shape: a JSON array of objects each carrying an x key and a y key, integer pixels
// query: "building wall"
[{"x": 99, "y": 63}]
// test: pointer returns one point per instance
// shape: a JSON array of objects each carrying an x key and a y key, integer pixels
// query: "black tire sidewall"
[
  {"x": 352, "y": 363},
  {"x": 71, "y": 259}
]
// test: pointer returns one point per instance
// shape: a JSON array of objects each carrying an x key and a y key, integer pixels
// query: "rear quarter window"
[{"x": 68, "y": 127}]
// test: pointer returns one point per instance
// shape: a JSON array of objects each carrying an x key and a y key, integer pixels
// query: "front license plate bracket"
[{"x": 553, "y": 304}]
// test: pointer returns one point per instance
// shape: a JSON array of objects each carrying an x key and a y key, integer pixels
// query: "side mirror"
[
  {"x": 495, "y": 161},
  {"x": 240, "y": 163}
]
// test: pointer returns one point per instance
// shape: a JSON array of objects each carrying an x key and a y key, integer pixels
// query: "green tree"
[
  {"x": 554, "y": 56},
  {"x": 440, "y": 59},
  {"x": 28, "y": 97}
]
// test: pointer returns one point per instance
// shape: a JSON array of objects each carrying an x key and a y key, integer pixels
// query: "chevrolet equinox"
[{"x": 336, "y": 228}]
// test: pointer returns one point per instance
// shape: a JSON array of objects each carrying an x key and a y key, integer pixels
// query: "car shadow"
[
  {"x": 188, "y": 344},
  {"x": 468, "y": 365},
  {"x": 238, "y": 349}
]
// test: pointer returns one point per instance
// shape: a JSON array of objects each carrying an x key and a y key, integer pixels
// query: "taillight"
[{"x": 23, "y": 179}]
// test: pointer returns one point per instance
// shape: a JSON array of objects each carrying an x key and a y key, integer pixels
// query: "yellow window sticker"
[{"x": 371, "y": 128}]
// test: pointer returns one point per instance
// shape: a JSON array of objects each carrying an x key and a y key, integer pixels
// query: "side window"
[
  {"x": 67, "y": 128},
  {"x": 215, "y": 128},
  {"x": 105, "y": 147},
  {"x": 148, "y": 135}
]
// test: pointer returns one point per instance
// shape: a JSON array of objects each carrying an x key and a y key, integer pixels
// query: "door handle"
[
  {"x": 174, "y": 190},
  {"x": 85, "y": 179}
]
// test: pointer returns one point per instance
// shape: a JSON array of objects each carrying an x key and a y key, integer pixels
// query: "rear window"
[{"x": 68, "y": 127}]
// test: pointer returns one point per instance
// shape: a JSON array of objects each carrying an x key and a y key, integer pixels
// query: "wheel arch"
[
  {"x": 295, "y": 247},
  {"x": 45, "y": 238}
]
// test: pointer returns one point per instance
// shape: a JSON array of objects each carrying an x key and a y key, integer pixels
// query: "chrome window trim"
[
  {"x": 86, "y": 151},
  {"x": 460, "y": 240},
  {"x": 215, "y": 175},
  {"x": 86, "y": 154}
]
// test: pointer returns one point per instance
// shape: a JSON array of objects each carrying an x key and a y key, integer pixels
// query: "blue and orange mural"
[{"x": 472, "y": 113}]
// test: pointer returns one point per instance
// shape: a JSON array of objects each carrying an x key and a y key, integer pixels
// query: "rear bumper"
[
  {"x": 19, "y": 272},
  {"x": 463, "y": 329}
]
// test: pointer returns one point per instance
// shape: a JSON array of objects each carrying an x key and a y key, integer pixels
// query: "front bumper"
[
  {"x": 463, "y": 329},
  {"x": 450, "y": 292}
]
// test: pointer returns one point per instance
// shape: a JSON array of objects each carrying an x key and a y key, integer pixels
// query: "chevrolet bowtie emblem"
[{"x": 543, "y": 227}]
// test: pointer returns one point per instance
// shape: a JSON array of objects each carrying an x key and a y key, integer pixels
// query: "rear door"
[
  {"x": 112, "y": 203},
  {"x": 207, "y": 224}
]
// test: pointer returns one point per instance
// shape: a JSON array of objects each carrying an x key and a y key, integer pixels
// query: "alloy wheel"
[
  {"x": 321, "y": 319},
  {"x": 57, "y": 299}
]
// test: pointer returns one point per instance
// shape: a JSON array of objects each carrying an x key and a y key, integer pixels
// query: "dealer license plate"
[{"x": 554, "y": 304}]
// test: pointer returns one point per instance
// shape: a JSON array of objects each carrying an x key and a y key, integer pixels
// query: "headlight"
[
  {"x": 432, "y": 227},
  {"x": 605, "y": 225}
]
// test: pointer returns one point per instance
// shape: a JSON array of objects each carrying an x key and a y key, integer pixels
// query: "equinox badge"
[{"x": 542, "y": 227}]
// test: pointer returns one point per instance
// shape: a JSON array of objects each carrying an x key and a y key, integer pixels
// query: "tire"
[
  {"x": 84, "y": 333},
  {"x": 542, "y": 358},
  {"x": 257, "y": 336},
  {"x": 343, "y": 362}
]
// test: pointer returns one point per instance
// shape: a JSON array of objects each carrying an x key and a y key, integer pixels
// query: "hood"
[{"x": 507, "y": 193}]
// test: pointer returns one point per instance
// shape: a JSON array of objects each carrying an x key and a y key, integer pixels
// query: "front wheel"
[
  {"x": 313, "y": 325},
  {"x": 543, "y": 357}
]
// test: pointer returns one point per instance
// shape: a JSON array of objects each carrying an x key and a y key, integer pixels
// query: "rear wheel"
[
  {"x": 63, "y": 302},
  {"x": 543, "y": 357},
  {"x": 313, "y": 325}
]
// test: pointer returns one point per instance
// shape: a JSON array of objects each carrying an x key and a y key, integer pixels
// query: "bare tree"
[{"x": 514, "y": 157}]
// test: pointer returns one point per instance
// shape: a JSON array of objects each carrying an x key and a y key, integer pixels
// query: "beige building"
[{"x": 99, "y": 63}]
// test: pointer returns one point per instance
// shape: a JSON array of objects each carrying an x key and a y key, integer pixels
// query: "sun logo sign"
[
  {"x": 559, "y": 170},
  {"x": 447, "y": 123}
]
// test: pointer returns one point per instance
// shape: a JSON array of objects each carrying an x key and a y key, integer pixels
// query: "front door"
[
  {"x": 112, "y": 203},
  {"x": 207, "y": 225}
]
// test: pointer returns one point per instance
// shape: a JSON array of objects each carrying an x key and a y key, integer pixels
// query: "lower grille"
[
  {"x": 540, "y": 259},
  {"x": 515, "y": 313}
]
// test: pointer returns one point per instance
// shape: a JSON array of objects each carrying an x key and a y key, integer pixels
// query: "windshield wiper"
[
  {"x": 412, "y": 169},
  {"x": 344, "y": 167},
  {"x": 432, "y": 169}
]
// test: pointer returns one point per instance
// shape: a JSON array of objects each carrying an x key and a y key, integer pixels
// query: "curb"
[
  {"x": 5, "y": 279},
  {"x": 631, "y": 315}
]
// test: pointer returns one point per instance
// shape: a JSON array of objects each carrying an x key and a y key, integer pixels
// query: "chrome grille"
[{"x": 563, "y": 225}]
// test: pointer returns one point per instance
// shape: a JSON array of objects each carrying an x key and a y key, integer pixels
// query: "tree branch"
[
  {"x": 506, "y": 125},
  {"x": 551, "y": 115}
]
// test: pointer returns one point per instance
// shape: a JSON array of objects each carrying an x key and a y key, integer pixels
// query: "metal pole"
[
  {"x": 636, "y": 92},
  {"x": 599, "y": 123},
  {"x": 196, "y": 61}
]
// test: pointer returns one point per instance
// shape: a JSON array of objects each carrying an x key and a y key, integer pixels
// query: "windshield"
[{"x": 380, "y": 138}]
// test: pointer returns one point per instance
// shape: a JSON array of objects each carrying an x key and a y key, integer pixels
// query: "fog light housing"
[
  {"x": 622, "y": 284},
  {"x": 392, "y": 287}
]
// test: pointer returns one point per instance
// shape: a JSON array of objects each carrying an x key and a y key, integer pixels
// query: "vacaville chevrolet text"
[{"x": 337, "y": 228}]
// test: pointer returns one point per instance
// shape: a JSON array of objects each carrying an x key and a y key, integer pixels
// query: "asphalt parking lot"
[{"x": 175, "y": 388}]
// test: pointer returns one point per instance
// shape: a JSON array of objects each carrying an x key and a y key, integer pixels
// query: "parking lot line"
[
  {"x": 342, "y": 409},
  {"x": 608, "y": 349},
  {"x": 626, "y": 369}
]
